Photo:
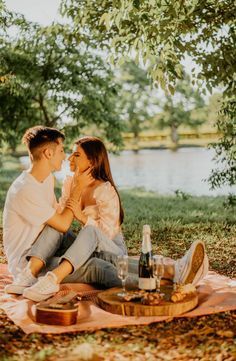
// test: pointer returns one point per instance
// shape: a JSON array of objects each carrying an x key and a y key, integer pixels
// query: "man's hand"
[{"x": 75, "y": 206}]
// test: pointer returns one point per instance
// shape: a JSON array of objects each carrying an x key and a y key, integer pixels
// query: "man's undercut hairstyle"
[{"x": 37, "y": 137}]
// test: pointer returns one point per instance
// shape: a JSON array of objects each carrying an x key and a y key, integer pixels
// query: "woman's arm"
[
  {"x": 79, "y": 182},
  {"x": 62, "y": 221},
  {"x": 108, "y": 211}
]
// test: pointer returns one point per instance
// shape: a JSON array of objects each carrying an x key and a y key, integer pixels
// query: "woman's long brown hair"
[{"x": 96, "y": 152}]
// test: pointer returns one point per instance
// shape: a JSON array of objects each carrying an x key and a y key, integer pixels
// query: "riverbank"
[
  {"x": 175, "y": 222},
  {"x": 161, "y": 139}
]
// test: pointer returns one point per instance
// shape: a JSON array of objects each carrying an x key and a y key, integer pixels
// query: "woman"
[{"x": 99, "y": 204}]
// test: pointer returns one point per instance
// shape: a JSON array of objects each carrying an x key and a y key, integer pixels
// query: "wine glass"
[
  {"x": 158, "y": 271},
  {"x": 122, "y": 269}
]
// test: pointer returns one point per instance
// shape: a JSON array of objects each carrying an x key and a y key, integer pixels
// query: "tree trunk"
[
  {"x": 48, "y": 122},
  {"x": 135, "y": 130},
  {"x": 174, "y": 135}
]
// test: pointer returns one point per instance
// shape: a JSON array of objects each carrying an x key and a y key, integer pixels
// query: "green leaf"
[
  {"x": 111, "y": 59},
  {"x": 158, "y": 73},
  {"x": 105, "y": 19},
  {"x": 162, "y": 83},
  {"x": 121, "y": 61},
  {"x": 179, "y": 70},
  {"x": 117, "y": 20},
  {"x": 171, "y": 89}
]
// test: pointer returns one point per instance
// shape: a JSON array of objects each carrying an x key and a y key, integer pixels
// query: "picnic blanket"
[{"x": 216, "y": 294}]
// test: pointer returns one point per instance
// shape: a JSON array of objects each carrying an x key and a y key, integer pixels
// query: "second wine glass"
[{"x": 158, "y": 271}]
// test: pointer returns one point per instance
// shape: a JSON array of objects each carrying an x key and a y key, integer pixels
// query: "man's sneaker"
[
  {"x": 23, "y": 280},
  {"x": 202, "y": 272},
  {"x": 45, "y": 288},
  {"x": 193, "y": 266}
]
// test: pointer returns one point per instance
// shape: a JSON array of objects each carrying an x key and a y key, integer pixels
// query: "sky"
[{"x": 41, "y": 11}]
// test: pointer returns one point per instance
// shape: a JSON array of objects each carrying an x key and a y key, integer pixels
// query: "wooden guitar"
[{"x": 61, "y": 312}]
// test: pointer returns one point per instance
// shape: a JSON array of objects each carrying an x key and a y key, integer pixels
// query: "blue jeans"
[{"x": 92, "y": 255}]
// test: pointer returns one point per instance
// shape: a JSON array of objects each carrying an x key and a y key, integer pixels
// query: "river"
[{"x": 162, "y": 171}]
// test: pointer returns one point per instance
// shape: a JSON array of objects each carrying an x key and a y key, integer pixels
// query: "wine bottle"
[{"x": 146, "y": 279}]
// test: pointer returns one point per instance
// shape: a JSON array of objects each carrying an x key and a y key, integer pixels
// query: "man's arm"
[{"x": 61, "y": 222}]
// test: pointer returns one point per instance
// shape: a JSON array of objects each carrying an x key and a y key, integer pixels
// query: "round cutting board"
[{"x": 111, "y": 302}]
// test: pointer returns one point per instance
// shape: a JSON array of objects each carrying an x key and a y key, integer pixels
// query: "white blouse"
[{"x": 104, "y": 214}]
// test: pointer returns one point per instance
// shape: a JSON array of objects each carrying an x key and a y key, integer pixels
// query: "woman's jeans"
[{"x": 92, "y": 255}]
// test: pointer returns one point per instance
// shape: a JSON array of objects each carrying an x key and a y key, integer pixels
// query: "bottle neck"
[{"x": 146, "y": 243}]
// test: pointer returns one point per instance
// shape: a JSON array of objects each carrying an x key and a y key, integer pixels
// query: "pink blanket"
[{"x": 216, "y": 294}]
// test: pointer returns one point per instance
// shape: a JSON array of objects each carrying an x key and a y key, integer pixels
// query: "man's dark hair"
[{"x": 39, "y": 136}]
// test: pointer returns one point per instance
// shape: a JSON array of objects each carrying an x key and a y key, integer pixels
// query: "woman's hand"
[
  {"x": 75, "y": 206},
  {"x": 79, "y": 182}
]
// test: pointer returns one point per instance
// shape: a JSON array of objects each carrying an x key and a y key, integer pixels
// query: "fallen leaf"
[{"x": 225, "y": 333}]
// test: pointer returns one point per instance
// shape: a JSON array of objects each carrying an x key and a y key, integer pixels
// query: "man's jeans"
[{"x": 91, "y": 254}]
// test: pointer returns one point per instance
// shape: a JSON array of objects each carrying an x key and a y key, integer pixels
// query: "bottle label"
[{"x": 147, "y": 283}]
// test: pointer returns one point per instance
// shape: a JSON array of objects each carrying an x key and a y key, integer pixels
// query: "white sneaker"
[
  {"x": 23, "y": 280},
  {"x": 45, "y": 288},
  {"x": 193, "y": 266},
  {"x": 202, "y": 272}
]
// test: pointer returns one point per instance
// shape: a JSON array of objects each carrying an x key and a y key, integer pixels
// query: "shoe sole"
[
  {"x": 196, "y": 263},
  {"x": 14, "y": 291}
]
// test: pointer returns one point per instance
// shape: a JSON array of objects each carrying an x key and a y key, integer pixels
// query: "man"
[{"x": 33, "y": 230}]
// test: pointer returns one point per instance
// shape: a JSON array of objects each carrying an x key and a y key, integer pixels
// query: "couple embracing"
[{"x": 42, "y": 251}]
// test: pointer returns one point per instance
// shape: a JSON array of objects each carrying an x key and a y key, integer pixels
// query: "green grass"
[{"x": 175, "y": 222}]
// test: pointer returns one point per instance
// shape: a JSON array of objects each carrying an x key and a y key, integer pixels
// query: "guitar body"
[{"x": 57, "y": 314}]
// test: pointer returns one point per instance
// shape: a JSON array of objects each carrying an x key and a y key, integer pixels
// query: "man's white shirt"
[{"x": 29, "y": 204}]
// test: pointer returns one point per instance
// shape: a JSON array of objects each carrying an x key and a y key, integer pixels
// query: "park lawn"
[{"x": 175, "y": 222}]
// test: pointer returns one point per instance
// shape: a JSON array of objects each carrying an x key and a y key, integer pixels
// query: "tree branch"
[
  {"x": 59, "y": 115},
  {"x": 45, "y": 113}
]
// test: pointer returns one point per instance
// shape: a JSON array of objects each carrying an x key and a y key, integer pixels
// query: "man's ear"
[{"x": 48, "y": 153}]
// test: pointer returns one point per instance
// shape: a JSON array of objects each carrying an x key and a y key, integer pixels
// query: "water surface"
[{"x": 162, "y": 171}]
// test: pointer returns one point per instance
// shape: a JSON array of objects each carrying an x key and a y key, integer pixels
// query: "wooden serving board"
[{"x": 109, "y": 301}]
